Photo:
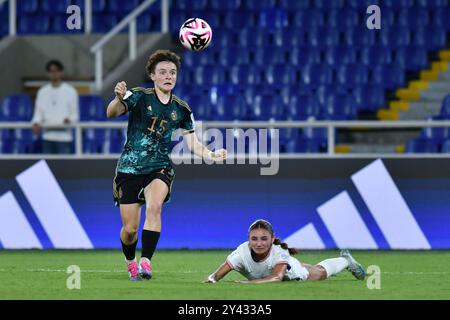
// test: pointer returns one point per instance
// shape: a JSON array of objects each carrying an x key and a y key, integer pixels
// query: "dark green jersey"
[{"x": 150, "y": 127}]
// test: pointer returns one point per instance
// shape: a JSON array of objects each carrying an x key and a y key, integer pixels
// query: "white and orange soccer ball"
[{"x": 195, "y": 34}]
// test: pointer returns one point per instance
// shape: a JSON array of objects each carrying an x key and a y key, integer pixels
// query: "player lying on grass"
[{"x": 264, "y": 258}]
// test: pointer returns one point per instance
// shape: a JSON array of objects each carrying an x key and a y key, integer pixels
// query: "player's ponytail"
[
  {"x": 263, "y": 224},
  {"x": 285, "y": 246}
]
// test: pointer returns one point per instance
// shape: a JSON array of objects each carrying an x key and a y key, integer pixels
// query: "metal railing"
[
  {"x": 129, "y": 20},
  {"x": 329, "y": 125}
]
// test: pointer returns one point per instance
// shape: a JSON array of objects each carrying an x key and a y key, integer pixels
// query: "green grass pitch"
[{"x": 179, "y": 275}]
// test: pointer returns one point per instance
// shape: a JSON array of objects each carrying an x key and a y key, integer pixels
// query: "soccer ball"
[{"x": 195, "y": 34}]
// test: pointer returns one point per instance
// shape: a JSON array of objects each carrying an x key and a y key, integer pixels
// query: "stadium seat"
[
  {"x": 432, "y": 3},
  {"x": 104, "y": 23},
  {"x": 224, "y": 6},
  {"x": 193, "y": 59},
  {"x": 33, "y": 24},
  {"x": 209, "y": 74},
  {"x": 430, "y": 38},
  {"x": 303, "y": 145},
  {"x": 200, "y": 106},
  {"x": 280, "y": 74},
  {"x": 295, "y": 5},
  {"x": 189, "y": 5},
  {"x": 233, "y": 56},
  {"x": 441, "y": 18},
  {"x": 303, "y": 56},
  {"x": 245, "y": 74},
  {"x": 343, "y": 19},
  {"x": 395, "y": 37},
  {"x": 325, "y": 90},
  {"x": 223, "y": 38},
  {"x": 327, "y": 4},
  {"x": 308, "y": 18},
  {"x": 369, "y": 98},
  {"x": 411, "y": 58},
  {"x": 359, "y": 38},
  {"x": 351, "y": 75},
  {"x": 390, "y": 76},
  {"x": 445, "y": 108},
  {"x": 445, "y": 146},
  {"x": 283, "y": 37},
  {"x": 376, "y": 55},
  {"x": 55, "y": 6},
  {"x": 361, "y": 4},
  {"x": 28, "y": 6},
  {"x": 92, "y": 108},
  {"x": 413, "y": 17},
  {"x": 239, "y": 20},
  {"x": 264, "y": 56},
  {"x": 302, "y": 107},
  {"x": 229, "y": 107},
  {"x": 435, "y": 134},
  {"x": 253, "y": 37},
  {"x": 255, "y": 5},
  {"x": 117, "y": 140},
  {"x": 322, "y": 37},
  {"x": 273, "y": 18},
  {"x": 266, "y": 107},
  {"x": 121, "y": 7},
  {"x": 316, "y": 74},
  {"x": 421, "y": 145},
  {"x": 340, "y": 55},
  {"x": 98, "y": 6},
  {"x": 397, "y": 4},
  {"x": 340, "y": 107},
  {"x": 17, "y": 108}
]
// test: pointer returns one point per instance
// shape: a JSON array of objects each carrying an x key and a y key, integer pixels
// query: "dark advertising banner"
[{"x": 312, "y": 204}]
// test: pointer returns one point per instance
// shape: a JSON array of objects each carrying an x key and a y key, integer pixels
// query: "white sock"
[
  {"x": 334, "y": 266},
  {"x": 130, "y": 261}
]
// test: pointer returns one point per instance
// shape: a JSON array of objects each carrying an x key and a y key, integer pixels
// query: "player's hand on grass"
[
  {"x": 120, "y": 89},
  {"x": 211, "y": 279},
  {"x": 219, "y": 155}
]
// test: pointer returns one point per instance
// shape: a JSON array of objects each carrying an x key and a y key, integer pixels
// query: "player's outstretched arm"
[
  {"x": 200, "y": 150},
  {"x": 219, "y": 273},
  {"x": 276, "y": 276},
  {"x": 116, "y": 107}
]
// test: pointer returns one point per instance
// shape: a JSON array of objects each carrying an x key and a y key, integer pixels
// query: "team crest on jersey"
[
  {"x": 173, "y": 115},
  {"x": 149, "y": 108}
]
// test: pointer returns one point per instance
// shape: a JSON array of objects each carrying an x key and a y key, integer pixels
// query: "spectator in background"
[{"x": 56, "y": 104}]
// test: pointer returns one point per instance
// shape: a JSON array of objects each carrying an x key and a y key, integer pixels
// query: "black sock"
[
  {"x": 129, "y": 250},
  {"x": 149, "y": 242}
]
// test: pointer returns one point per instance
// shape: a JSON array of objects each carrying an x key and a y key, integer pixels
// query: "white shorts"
[{"x": 297, "y": 271}]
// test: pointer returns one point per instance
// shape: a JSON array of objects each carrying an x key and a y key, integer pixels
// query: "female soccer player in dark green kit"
[{"x": 144, "y": 171}]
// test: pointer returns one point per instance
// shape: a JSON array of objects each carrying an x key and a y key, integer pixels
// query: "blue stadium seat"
[
  {"x": 388, "y": 18},
  {"x": 303, "y": 56},
  {"x": 224, "y": 6},
  {"x": 266, "y": 107},
  {"x": 273, "y": 18},
  {"x": 397, "y": 4},
  {"x": 184, "y": 77},
  {"x": 432, "y": 3},
  {"x": 327, "y": 4},
  {"x": 253, "y": 37},
  {"x": 430, "y": 38},
  {"x": 33, "y": 24},
  {"x": 92, "y": 108},
  {"x": 376, "y": 55},
  {"x": 245, "y": 75},
  {"x": 200, "y": 106},
  {"x": 295, "y": 5},
  {"x": 343, "y": 19},
  {"x": 283, "y": 37},
  {"x": 176, "y": 20},
  {"x": 308, "y": 18},
  {"x": 98, "y": 6},
  {"x": 420, "y": 145},
  {"x": 280, "y": 74},
  {"x": 411, "y": 58},
  {"x": 441, "y": 18},
  {"x": 255, "y": 5},
  {"x": 223, "y": 38},
  {"x": 117, "y": 140},
  {"x": 189, "y": 5},
  {"x": 104, "y": 23},
  {"x": 326, "y": 90},
  {"x": 234, "y": 55},
  {"x": 27, "y": 6},
  {"x": 351, "y": 75},
  {"x": 359, "y": 38},
  {"x": 55, "y": 6},
  {"x": 389, "y": 76},
  {"x": 316, "y": 74},
  {"x": 17, "y": 108},
  {"x": 121, "y": 7},
  {"x": 301, "y": 107},
  {"x": 445, "y": 107},
  {"x": 340, "y": 107},
  {"x": 436, "y": 134},
  {"x": 194, "y": 59},
  {"x": 395, "y": 37},
  {"x": 413, "y": 17},
  {"x": 239, "y": 19},
  {"x": 369, "y": 98},
  {"x": 361, "y": 4},
  {"x": 446, "y": 146},
  {"x": 265, "y": 56},
  {"x": 230, "y": 107},
  {"x": 322, "y": 37},
  {"x": 340, "y": 55},
  {"x": 209, "y": 74}
]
